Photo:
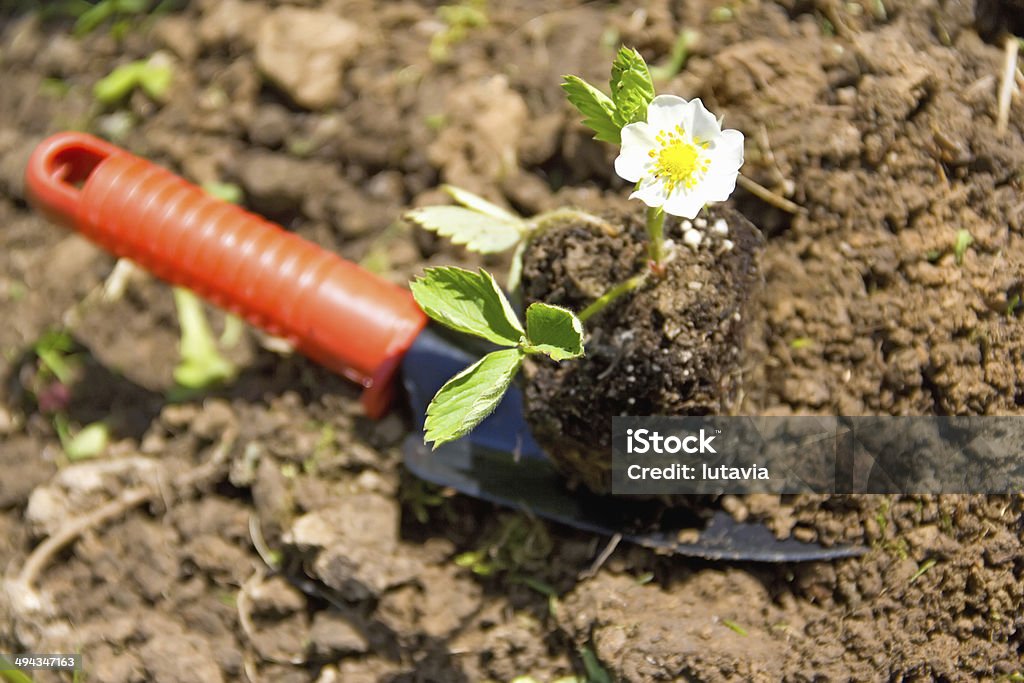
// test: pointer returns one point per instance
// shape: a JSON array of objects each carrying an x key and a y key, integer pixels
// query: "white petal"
[
  {"x": 717, "y": 187},
  {"x": 638, "y": 134},
  {"x": 631, "y": 167},
  {"x": 686, "y": 203},
  {"x": 651, "y": 192},
  {"x": 705, "y": 125},
  {"x": 728, "y": 150},
  {"x": 665, "y": 112},
  {"x": 726, "y": 160},
  {"x": 633, "y": 159}
]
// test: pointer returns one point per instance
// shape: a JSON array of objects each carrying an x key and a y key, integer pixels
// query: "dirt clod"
[
  {"x": 303, "y": 51},
  {"x": 674, "y": 347}
]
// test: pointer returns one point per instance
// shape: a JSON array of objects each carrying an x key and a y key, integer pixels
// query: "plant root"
[
  {"x": 766, "y": 195},
  {"x": 21, "y": 589},
  {"x": 599, "y": 561},
  {"x": 1006, "y": 83}
]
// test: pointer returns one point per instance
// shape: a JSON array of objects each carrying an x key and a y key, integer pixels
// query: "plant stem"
[
  {"x": 656, "y": 234},
  {"x": 612, "y": 294}
]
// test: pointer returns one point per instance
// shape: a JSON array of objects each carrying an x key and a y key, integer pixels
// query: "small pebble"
[
  {"x": 695, "y": 285},
  {"x": 727, "y": 245},
  {"x": 720, "y": 227},
  {"x": 700, "y": 222},
  {"x": 687, "y": 225},
  {"x": 688, "y": 536},
  {"x": 692, "y": 238}
]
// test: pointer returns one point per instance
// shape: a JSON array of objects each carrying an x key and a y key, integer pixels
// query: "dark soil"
[
  {"x": 673, "y": 347},
  {"x": 877, "y": 117}
]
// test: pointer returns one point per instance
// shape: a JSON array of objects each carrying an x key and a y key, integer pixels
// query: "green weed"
[
  {"x": 925, "y": 566},
  {"x": 202, "y": 366},
  {"x": 459, "y": 20},
  {"x": 153, "y": 76},
  {"x": 521, "y": 545}
]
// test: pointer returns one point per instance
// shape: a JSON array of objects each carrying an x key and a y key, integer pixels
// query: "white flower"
[{"x": 680, "y": 156}]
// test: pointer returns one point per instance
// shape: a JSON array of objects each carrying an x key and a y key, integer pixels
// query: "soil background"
[{"x": 286, "y": 542}]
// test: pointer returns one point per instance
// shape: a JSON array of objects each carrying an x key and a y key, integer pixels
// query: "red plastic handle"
[{"x": 333, "y": 311}]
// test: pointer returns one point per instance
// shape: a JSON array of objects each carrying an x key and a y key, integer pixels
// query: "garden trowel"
[{"x": 354, "y": 323}]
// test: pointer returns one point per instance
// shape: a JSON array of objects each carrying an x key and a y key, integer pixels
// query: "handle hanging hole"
[
  {"x": 73, "y": 165},
  {"x": 58, "y": 170}
]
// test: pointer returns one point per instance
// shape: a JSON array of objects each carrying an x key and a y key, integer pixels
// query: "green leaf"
[
  {"x": 473, "y": 394},
  {"x": 93, "y": 17},
  {"x": 118, "y": 84},
  {"x": 155, "y": 80},
  {"x": 733, "y": 626},
  {"x": 597, "y": 108},
  {"x": 53, "y": 350},
  {"x": 228, "y": 192},
  {"x": 153, "y": 76},
  {"x": 592, "y": 665},
  {"x": 478, "y": 203},
  {"x": 515, "y": 270},
  {"x": 132, "y": 6},
  {"x": 686, "y": 40},
  {"x": 12, "y": 674},
  {"x": 554, "y": 331},
  {"x": 478, "y": 231},
  {"x": 964, "y": 239},
  {"x": 468, "y": 302},
  {"x": 632, "y": 87},
  {"x": 202, "y": 364},
  {"x": 90, "y": 442}
]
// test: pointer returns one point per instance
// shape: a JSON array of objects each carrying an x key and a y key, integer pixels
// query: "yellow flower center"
[{"x": 677, "y": 161}]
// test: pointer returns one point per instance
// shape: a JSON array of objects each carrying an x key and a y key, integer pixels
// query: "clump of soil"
[{"x": 674, "y": 347}]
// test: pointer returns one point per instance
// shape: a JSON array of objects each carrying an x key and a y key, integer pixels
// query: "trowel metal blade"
[
  {"x": 534, "y": 486},
  {"x": 500, "y": 462}
]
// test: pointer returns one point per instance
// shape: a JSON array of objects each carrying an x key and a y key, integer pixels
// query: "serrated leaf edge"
[
  {"x": 511, "y": 317},
  {"x": 577, "y": 326},
  {"x": 516, "y": 225},
  {"x": 475, "y": 202},
  {"x": 603, "y": 101},
  {"x": 479, "y": 410}
]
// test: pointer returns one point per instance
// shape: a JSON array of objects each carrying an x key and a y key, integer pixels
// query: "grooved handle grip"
[{"x": 333, "y": 311}]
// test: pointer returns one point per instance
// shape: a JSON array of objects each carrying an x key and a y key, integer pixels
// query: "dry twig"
[
  {"x": 1006, "y": 83},
  {"x": 766, "y": 195},
  {"x": 590, "y": 572}
]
